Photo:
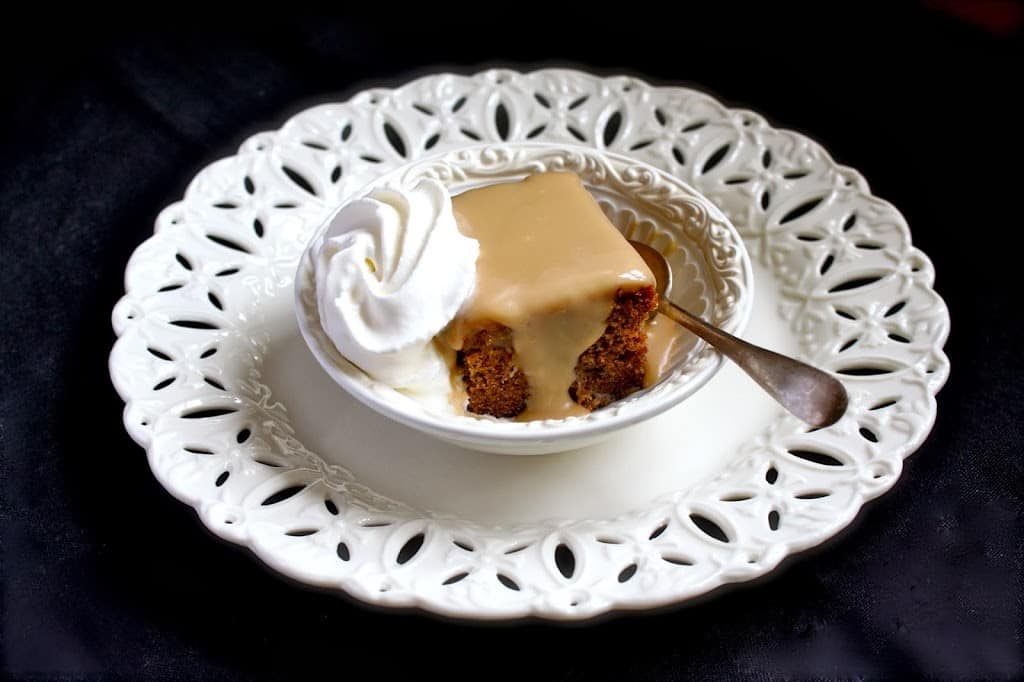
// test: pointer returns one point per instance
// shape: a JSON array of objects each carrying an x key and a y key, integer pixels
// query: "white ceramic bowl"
[{"x": 711, "y": 274}]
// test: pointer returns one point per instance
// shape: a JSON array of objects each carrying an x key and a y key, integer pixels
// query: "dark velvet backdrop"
[{"x": 105, "y": 574}]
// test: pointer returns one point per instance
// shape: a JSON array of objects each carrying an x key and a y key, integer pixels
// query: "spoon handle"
[{"x": 810, "y": 394}]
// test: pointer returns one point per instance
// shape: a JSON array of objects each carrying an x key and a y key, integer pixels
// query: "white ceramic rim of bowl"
[{"x": 488, "y": 432}]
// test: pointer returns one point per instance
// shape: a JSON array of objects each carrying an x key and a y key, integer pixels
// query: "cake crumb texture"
[
  {"x": 615, "y": 365},
  {"x": 494, "y": 384}
]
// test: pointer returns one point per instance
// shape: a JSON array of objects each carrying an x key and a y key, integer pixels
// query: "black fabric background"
[{"x": 105, "y": 574}]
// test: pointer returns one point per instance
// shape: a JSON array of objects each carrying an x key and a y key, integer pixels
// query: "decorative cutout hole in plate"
[
  {"x": 375, "y": 524},
  {"x": 227, "y": 243},
  {"x": 501, "y": 121},
  {"x": 302, "y": 532},
  {"x": 463, "y": 545},
  {"x": 214, "y": 301},
  {"x": 335, "y": 176},
  {"x": 331, "y": 507},
  {"x": 299, "y": 179},
  {"x": 801, "y": 210},
  {"x": 423, "y": 109},
  {"x": 346, "y": 132},
  {"x": 815, "y": 457},
  {"x": 159, "y": 354},
  {"x": 826, "y": 264},
  {"x": 696, "y": 125},
  {"x": 641, "y": 145},
  {"x": 243, "y": 436},
  {"x": 226, "y": 205},
  {"x": 194, "y": 324},
  {"x": 864, "y": 370},
  {"x": 895, "y": 308},
  {"x": 208, "y": 412},
  {"x": 660, "y": 117},
  {"x": 197, "y": 450},
  {"x": 432, "y": 140},
  {"x": 410, "y": 549},
  {"x": 470, "y": 134},
  {"x": 676, "y": 560},
  {"x": 738, "y": 180},
  {"x": 888, "y": 402},
  {"x": 898, "y": 338},
  {"x": 854, "y": 283},
  {"x": 609, "y": 541},
  {"x": 394, "y": 139},
  {"x": 796, "y": 175},
  {"x": 459, "y": 103},
  {"x": 508, "y": 582},
  {"x": 850, "y": 221},
  {"x": 678, "y": 155},
  {"x": 213, "y": 382},
  {"x": 578, "y": 102},
  {"x": 342, "y": 551},
  {"x": 611, "y": 128},
  {"x": 709, "y": 527},
  {"x": 813, "y": 495},
  {"x": 455, "y": 578},
  {"x": 627, "y": 573},
  {"x": 658, "y": 531},
  {"x": 766, "y": 158},
  {"x": 516, "y": 549},
  {"x": 771, "y": 475},
  {"x": 169, "y": 287},
  {"x": 282, "y": 495},
  {"x": 843, "y": 313},
  {"x": 577, "y": 134},
  {"x": 182, "y": 261},
  {"x": 228, "y": 272},
  {"x": 542, "y": 100},
  {"x": 766, "y": 199},
  {"x": 314, "y": 145},
  {"x": 736, "y": 497},
  {"x": 565, "y": 560},
  {"x": 250, "y": 188},
  {"x": 164, "y": 384},
  {"x": 870, "y": 246},
  {"x": 222, "y": 479},
  {"x": 868, "y": 435},
  {"x": 715, "y": 159},
  {"x": 849, "y": 344},
  {"x": 773, "y": 519}
]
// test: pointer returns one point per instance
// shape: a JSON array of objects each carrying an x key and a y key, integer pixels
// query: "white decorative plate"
[{"x": 239, "y": 421}]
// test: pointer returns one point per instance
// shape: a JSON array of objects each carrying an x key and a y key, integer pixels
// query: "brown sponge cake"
[
  {"x": 615, "y": 365},
  {"x": 493, "y": 382},
  {"x": 610, "y": 369}
]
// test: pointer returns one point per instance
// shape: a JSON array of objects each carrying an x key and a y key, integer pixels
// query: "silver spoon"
[{"x": 810, "y": 394}]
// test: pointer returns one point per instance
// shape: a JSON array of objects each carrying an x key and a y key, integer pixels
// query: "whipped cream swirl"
[{"x": 392, "y": 270}]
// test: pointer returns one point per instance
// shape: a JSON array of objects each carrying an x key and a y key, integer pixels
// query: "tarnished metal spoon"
[{"x": 810, "y": 394}]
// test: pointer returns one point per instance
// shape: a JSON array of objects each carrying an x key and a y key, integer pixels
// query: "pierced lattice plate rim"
[{"x": 206, "y": 292}]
